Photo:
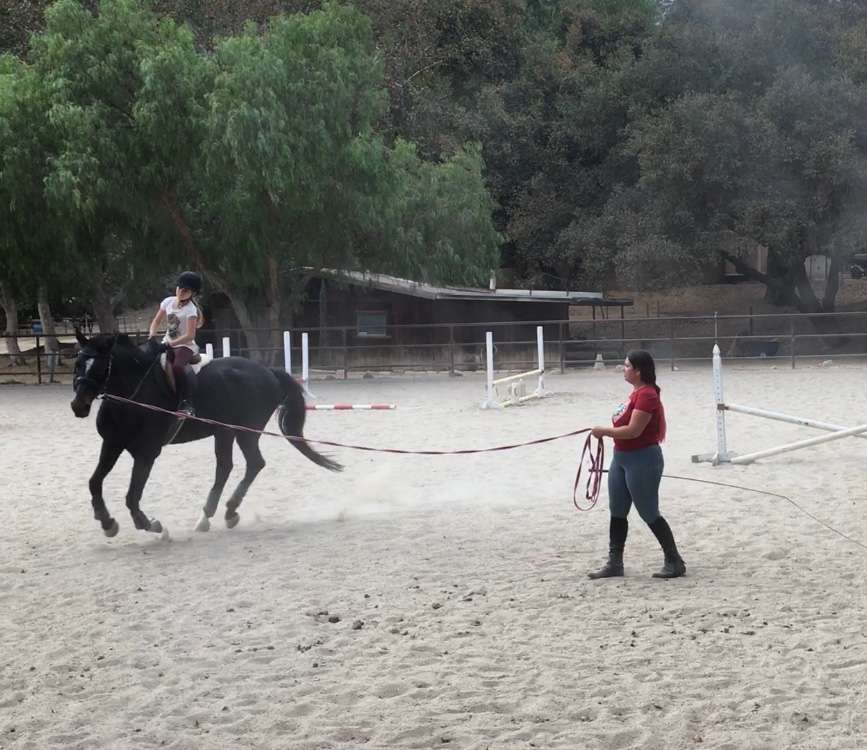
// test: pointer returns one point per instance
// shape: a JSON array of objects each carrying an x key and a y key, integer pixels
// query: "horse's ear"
[{"x": 80, "y": 337}]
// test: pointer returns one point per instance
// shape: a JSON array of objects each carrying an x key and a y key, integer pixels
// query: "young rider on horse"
[{"x": 182, "y": 317}]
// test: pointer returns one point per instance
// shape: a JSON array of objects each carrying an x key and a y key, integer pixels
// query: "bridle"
[
  {"x": 101, "y": 388},
  {"x": 87, "y": 380}
]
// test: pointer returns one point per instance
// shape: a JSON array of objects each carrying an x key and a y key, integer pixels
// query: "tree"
[
  {"x": 553, "y": 133},
  {"x": 127, "y": 100},
  {"x": 761, "y": 147},
  {"x": 294, "y": 174},
  {"x": 31, "y": 241}
]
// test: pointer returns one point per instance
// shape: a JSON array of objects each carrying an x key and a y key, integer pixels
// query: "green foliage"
[
  {"x": 265, "y": 155},
  {"x": 289, "y": 137},
  {"x": 443, "y": 218},
  {"x": 760, "y": 147},
  {"x": 618, "y": 141},
  {"x": 27, "y": 246}
]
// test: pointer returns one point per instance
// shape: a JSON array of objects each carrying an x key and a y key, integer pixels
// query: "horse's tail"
[{"x": 291, "y": 419}]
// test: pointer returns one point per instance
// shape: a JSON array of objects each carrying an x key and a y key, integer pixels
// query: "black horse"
[{"x": 231, "y": 390}]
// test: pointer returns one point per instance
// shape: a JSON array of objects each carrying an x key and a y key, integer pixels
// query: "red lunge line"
[{"x": 594, "y": 482}]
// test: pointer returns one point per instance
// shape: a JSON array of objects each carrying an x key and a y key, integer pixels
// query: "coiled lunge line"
[
  {"x": 594, "y": 481},
  {"x": 594, "y": 470}
]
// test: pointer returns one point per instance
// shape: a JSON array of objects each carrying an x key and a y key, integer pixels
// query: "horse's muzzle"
[{"x": 80, "y": 407}]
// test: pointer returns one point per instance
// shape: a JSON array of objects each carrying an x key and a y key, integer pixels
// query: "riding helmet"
[{"x": 190, "y": 280}]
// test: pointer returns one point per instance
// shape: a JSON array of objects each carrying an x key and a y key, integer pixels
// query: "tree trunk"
[
  {"x": 786, "y": 285},
  {"x": 52, "y": 345},
  {"x": 808, "y": 302},
  {"x": 829, "y": 300},
  {"x": 790, "y": 286},
  {"x": 273, "y": 336},
  {"x": 323, "y": 313},
  {"x": 254, "y": 338},
  {"x": 103, "y": 309},
  {"x": 10, "y": 307},
  {"x": 262, "y": 330}
]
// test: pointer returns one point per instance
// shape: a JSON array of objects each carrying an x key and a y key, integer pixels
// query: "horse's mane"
[{"x": 122, "y": 349}]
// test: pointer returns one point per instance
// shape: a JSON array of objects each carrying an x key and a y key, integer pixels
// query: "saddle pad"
[{"x": 204, "y": 359}]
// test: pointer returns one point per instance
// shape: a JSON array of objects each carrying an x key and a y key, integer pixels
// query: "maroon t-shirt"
[{"x": 644, "y": 399}]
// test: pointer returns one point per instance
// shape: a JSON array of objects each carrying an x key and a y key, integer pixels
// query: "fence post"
[
  {"x": 672, "y": 346},
  {"x": 38, "y": 364},
  {"x": 792, "y": 339},
  {"x": 345, "y": 356},
  {"x": 452, "y": 350},
  {"x": 562, "y": 348},
  {"x": 622, "y": 329}
]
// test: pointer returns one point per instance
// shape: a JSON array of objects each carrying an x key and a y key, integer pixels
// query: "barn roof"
[{"x": 397, "y": 285}]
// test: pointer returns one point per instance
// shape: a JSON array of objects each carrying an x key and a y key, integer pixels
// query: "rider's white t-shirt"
[{"x": 176, "y": 320}]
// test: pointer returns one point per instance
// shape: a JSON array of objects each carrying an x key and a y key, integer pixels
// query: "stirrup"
[{"x": 186, "y": 407}]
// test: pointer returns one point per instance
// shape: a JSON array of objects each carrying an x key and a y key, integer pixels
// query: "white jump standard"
[
  {"x": 723, "y": 455},
  {"x": 515, "y": 383}
]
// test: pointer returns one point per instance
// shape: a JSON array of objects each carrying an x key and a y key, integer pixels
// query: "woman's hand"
[{"x": 599, "y": 432}]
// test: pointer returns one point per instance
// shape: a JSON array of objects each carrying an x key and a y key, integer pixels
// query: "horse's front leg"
[
  {"x": 141, "y": 470},
  {"x": 108, "y": 455}
]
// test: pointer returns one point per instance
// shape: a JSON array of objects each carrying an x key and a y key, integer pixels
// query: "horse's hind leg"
[
  {"x": 141, "y": 470},
  {"x": 108, "y": 455},
  {"x": 223, "y": 442},
  {"x": 249, "y": 444}
]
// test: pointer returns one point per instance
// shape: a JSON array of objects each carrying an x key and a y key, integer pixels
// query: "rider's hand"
[{"x": 156, "y": 346}]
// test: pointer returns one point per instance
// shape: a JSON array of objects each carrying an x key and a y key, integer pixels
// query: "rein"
[{"x": 102, "y": 388}]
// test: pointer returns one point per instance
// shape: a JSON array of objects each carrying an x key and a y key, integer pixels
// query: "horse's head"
[{"x": 92, "y": 370}]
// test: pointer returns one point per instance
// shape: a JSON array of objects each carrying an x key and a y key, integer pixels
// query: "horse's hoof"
[
  {"x": 232, "y": 520},
  {"x": 111, "y": 530},
  {"x": 155, "y": 526},
  {"x": 204, "y": 523},
  {"x": 165, "y": 536}
]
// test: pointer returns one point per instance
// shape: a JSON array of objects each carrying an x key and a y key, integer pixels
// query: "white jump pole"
[
  {"x": 751, "y": 410},
  {"x": 287, "y": 351},
  {"x": 305, "y": 365},
  {"x": 226, "y": 346},
  {"x": 348, "y": 407},
  {"x": 209, "y": 350},
  {"x": 540, "y": 348},
  {"x": 489, "y": 387},
  {"x": 750, "y": 457},
  {"x": 722, "y": 455}
]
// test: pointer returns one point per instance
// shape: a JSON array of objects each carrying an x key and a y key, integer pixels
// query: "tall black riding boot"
[
  {"x": 186, "y": 386},
  {"x": 674, "y": 566},
  {"x": 617, "y": 530}
]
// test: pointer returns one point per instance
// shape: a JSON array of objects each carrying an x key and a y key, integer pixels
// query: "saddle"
[{"x": 197, "y": 363}]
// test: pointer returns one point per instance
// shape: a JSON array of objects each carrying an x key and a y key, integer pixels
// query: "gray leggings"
[{"x": 633, "y": 477}]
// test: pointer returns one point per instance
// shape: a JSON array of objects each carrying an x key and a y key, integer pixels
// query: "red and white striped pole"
[{"x": 347, "y": 407}]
